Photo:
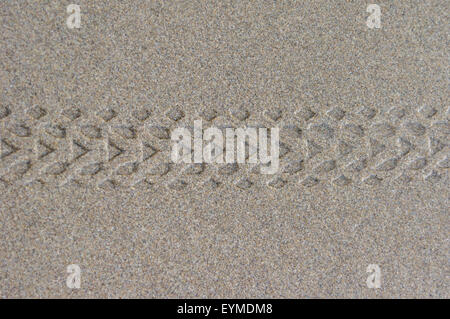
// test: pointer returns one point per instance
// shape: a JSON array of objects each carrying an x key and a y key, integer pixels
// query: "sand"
[{"x": 85, "y": 171}]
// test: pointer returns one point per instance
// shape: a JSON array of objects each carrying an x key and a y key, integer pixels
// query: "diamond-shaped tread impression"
[
  {"x": 7, "y": 148},
  {"x": 107, "y": 114},
  {"x": 91, "y": 169},
  {"x": 336, "y": 113},
  {"x": 72, "y": 113},
  {"x": 277, "y": 182},
  {"x": 148, "y": 151},
  {"x": 91, "y": 131},
  {"x": 4, "y": 111},
  {"x": 78, "y": 150},
  {"x": 20, "y": 130},
  {"x": 42, "y": 149},
  {"x": 113, "y": 151},
  {"x": 37, "y": 112},
  {"x": 435, "y": 145}
]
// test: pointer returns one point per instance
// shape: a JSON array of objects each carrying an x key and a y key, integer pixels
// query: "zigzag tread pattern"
[{"x": 112, "y": 150}]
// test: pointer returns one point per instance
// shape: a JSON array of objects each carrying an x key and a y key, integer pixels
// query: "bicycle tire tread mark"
[{"x": 112, "y": 150}]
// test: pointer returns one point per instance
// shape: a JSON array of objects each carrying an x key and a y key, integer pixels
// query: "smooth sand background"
[{"x": 194, "y": 240}]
